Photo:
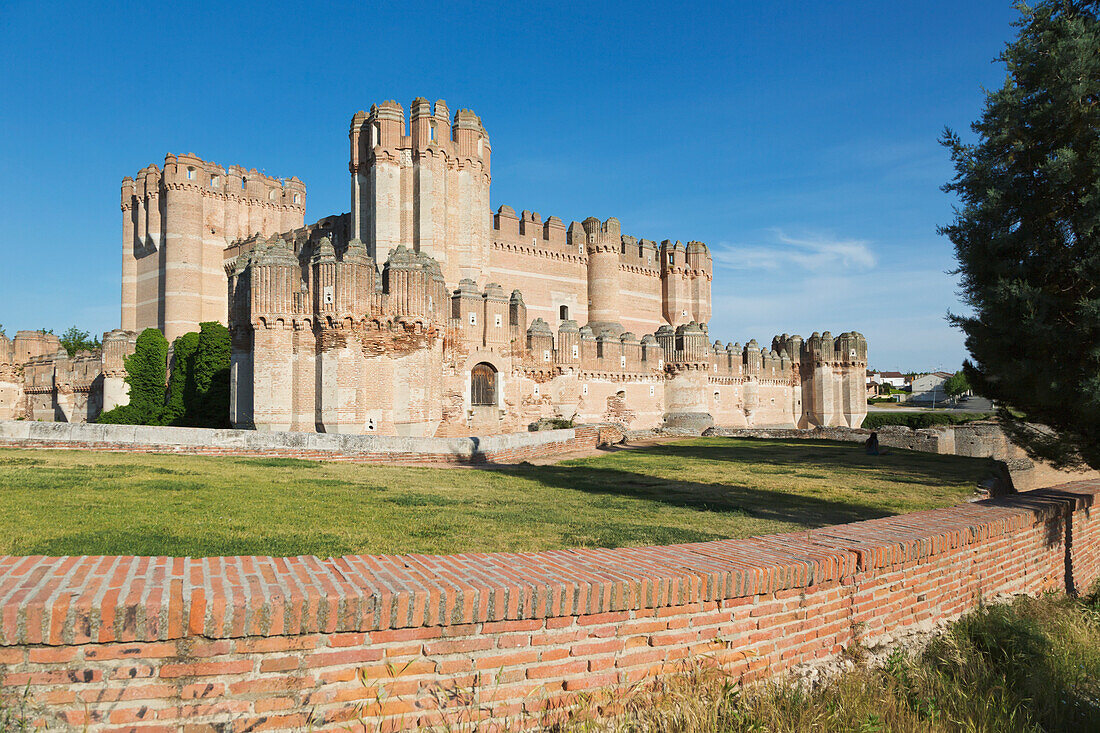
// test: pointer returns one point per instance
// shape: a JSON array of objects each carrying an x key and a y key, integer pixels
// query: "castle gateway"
[{"x": 420, "y": 312}]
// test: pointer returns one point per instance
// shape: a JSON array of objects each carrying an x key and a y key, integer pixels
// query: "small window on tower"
[
  {"x": 473, "y": 318},
  {"x": 563, "y": 312},
  {"x": 575, "y": 351},
  {"x": 297, "y": 198},
  {"x": 214, "y": 181},
  {"x": 190, "y": 174},
  {"x": 243, "y": 179},
  {"x": 497, "y": 321},
  {"x": 431, "y": 132}
]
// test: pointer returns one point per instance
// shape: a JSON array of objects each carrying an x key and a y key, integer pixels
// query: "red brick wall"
[{"x": 126, "y": 643}]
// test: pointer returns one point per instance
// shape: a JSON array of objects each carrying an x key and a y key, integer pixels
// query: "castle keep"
[{"x": 420, "y": 312}]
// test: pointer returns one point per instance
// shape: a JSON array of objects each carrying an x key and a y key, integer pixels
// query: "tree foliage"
[
  {"x": 1027, "y": 234},
  {"x": 74, "y": 340},
  {"x": 956, "y": 385},
  {"x": 183, "y": 357},
  {"x": 145, "y": 373},
  {"x": 197, "y": 394}
]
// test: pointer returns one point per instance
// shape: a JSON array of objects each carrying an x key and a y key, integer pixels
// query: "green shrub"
[
  {"x": 181, "y": 378},
  {"x": 207, "y": 395},
  {"x": 917, "y": 420},
  {"x": 146, "y": 369}
]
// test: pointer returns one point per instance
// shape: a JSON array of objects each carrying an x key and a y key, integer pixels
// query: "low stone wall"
[
  {"x": 509, "y": 448},
  {"x": 250, "y": 643}
]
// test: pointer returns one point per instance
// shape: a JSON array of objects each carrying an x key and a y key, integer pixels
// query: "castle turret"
[
  {"x": 851, "y": 363},
  {"x": 700, "y": 273},
  {"x": 675, "y": 284},
  {"x": 604, "y": 243},
  {"x": 540, "y": 342},
  {"x": 569, "y": 344},
  {"x": 517, "y": 316},
  {"x": 819, "y": 398}
]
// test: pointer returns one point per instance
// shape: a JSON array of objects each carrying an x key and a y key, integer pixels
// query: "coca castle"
[{"x": 420, "y": 312}]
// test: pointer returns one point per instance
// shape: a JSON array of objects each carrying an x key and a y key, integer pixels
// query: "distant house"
[
  {"x": 929, "y": 387},
  {"x": 894, "y": 379}
]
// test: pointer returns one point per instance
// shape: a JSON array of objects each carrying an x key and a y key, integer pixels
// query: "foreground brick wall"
[{"x": 250, "y": 643}]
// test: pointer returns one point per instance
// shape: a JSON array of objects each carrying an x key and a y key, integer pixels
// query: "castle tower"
[
  {"x": 687, "y": 364},
  {"x": 851, "y": 359},
  {"x": 427, "y": 190},
  {"x": 700, "y": 272},
  {"x": 675, "y": 284},
  {"x": 603, "y": 244},
  {"x": 117, "y": 345},
  {"x": 176, "y": 224},
  {"x": 819, "y": 398}
]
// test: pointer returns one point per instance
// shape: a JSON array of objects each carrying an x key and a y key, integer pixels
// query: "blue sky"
[{"x": 798, "y": 140}]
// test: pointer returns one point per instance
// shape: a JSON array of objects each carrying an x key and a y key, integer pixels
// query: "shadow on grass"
[
  {"x": 793, "y": 455},
  {"x": 740, "y": 499}
]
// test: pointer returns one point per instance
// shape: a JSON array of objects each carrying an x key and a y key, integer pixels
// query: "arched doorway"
[{"x": 483, "y": 385}]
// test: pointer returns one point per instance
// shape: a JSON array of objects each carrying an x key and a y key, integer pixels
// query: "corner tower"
[{"x": 176, "y": 223}]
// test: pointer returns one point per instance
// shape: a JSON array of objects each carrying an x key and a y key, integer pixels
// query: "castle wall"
[{"x": 541, "y": 260}]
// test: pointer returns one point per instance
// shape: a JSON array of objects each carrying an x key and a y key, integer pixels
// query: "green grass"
[
  {"x": 77, "y": 502},
  {"x": 1032, "y": 665}
]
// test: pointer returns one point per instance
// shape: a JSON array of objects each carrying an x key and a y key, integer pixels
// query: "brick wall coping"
[
  {"x": 78, "y": 600},
  {"x": 176, "y": 439}
]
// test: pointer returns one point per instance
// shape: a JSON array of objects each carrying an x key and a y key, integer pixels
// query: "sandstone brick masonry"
[
  {"x": 248, "y": 643},
  {"x": 511, "y": 448}
]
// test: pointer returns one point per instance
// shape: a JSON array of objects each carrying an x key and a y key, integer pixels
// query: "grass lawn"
[{"x": 57, "y": 502}]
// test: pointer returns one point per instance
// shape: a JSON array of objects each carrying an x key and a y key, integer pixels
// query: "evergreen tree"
[
  {"x": 207, "y": 397},
  {"x": 181, "y": 378},
  {"x": 1027, "y": 234},
  {"x": 145, "y": 373}
]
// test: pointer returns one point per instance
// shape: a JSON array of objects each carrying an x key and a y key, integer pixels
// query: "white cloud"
[
  {"x": 900, "y": 310},
  {"x": 807, "y": 252}
]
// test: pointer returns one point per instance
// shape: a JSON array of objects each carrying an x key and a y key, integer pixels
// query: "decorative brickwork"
[{"x": 244, "y": 643}]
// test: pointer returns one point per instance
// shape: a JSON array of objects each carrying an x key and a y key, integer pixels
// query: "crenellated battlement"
[
  {"x": 188, "y": 171},
  {"x": 382, "y": 134}
]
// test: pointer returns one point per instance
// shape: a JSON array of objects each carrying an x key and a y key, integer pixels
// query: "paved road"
[{"x": 974, "y": 404}]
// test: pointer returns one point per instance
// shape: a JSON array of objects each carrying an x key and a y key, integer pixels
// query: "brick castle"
[{"x": 420, "y": 312}]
